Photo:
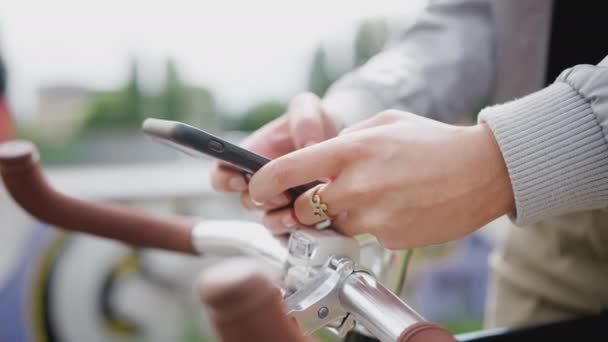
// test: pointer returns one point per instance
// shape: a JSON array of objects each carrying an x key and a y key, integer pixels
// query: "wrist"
[{"x": 495, "y": 183}]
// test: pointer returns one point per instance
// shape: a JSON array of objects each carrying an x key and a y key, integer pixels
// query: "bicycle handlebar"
[
  {"x": 386, "y": 316},
  {"x": 378, "y": 309},
  {"x": 27, "y": 185},
  {"x": 239, "y": 293}
]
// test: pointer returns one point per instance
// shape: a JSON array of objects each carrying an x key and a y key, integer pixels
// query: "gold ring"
[{"x": 319, "y": 209}]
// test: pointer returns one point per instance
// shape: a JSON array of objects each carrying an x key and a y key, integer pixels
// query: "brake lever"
[
  {"x": 317, "y": 264},
  {"x": 317, "y": 304}
]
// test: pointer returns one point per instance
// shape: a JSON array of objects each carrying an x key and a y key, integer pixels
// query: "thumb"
[{"x": 306, "y": 124}]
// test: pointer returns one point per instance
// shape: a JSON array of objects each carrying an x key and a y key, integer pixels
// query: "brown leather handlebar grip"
[
  {"x": 244, "y": 305},
  {"x": 25, "y": 182},
  {"x": 426, "y": 332}
]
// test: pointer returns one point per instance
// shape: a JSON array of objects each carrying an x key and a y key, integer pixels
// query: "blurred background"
[{"x": 78, "y": 78}]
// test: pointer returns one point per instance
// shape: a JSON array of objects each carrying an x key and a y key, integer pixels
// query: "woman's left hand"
[{"x": 406, "y": 179}]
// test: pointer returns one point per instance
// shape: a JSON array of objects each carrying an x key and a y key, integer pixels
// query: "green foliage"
[
  {"x": 117, "y": 109},
  {"x": 260, "y": 114},
  {"x": 128, "y": 106},
  {"x": 325, "y": 336},
  {"x": 173, "y": 99},
  {"x": 132, "y": 98},
  {"x": 108, "y": 110},
  {"x": 52, "y": 153},
  {"x": 319, "y": 78},
  {"x": 369, "y": 40},
  {"x": 201, "y": 109},
  {"x": 2, "y": 77},
  {"x": 463, "y": 325}
]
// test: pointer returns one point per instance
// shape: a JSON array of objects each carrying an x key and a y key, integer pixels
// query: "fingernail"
[
  {"x": 289, "y": 223},
  {"x": 237, "y": 184},
  {"x": 279, "y": 200},
  {"x": 259, "y": 204}
]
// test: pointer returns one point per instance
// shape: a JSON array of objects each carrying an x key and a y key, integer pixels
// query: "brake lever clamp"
[
  {"x": 308, "y": 253},
  {"x": 317, "y": 304},
  {"x": 317, "y": 263}
]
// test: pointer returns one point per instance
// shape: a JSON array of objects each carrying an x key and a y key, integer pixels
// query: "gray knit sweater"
[{"x": 555, "y": 144}]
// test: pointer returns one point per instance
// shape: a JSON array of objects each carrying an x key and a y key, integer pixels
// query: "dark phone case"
[{"x": 241, "y": 158}]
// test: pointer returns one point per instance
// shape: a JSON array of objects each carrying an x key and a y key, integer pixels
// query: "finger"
[
  {"x": 323, "y": 160},
  {"x": 279, "y": 201},
  {"x": 329, "y": 195},
  {"x": 383, "y": 118},
  {"x": 305, "y": 121},
  {"x": 271, "y": 140},
  {"x": 281, "y": 221},
  {"x": 226, "y": 178}
]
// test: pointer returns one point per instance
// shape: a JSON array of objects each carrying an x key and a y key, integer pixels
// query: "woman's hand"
[
  {"x": 408, "y": 180},
  {"x": 303, "y": 124}
]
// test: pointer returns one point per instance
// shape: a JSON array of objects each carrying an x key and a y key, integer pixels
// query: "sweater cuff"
[
  {"x": 349, "y": 106},
  {"x": 555, "y": 152}
]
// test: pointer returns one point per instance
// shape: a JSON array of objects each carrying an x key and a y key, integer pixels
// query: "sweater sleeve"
[{"x": 555, "y": 144}]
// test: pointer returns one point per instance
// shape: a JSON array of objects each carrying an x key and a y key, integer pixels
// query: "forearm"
[
  {"x": 441, "y": 67},
  {"x": 554, "y": 145}
]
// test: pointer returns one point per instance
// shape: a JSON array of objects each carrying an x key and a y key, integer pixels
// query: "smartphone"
[{"x": 198, "y": 143}]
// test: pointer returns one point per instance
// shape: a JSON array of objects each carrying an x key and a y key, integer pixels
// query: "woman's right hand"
[{"x": 304, "y": 124}]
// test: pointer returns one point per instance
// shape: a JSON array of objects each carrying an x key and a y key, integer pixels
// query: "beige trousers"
[{"x": 553, "y": 270}]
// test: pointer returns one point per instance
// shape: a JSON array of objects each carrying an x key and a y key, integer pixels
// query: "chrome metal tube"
[
  {"x": 239, "y": 238},
  {"x": 384, "y": 314}
]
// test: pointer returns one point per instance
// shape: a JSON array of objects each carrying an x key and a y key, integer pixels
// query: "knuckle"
[
  {"x": 356, "y": 150},
  {"x": 217, "y": 180},
  {"x": 246, "y": 201},
  {"x": 302, "y": 209},
  {"x": 380, "y": 227},
  {"x": 308, "y": 125},
  {"x": 279, "y": 173},
  {"x": 368, "y": 224},
  {"x": 389, "y": 242},
  {"x": 267, "y": 221},
  {"x": 271, "y": 177},
  {"x": 391, "y": 115},
  {"x": 356, "y": 191},
  {"x": 304, "y": 97}
]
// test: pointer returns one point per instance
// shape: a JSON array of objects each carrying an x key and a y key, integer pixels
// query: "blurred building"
[{"x": 61, "y": 111}]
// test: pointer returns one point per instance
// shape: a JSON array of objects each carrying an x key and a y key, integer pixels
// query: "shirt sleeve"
[{"x": 441, "y": 66}]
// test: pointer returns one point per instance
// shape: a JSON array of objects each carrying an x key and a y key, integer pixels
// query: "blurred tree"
[
  {"x": 370, "y": 38},
  {"x": 105, "y": 111},
  {"x": 133, "y": 99},
  {"x": 173, "y": 101},
  {"x": 319, "y": 78},
  {"x": 128, "y": 107},
  {"x": 117, "y": 109},
  {"x": 260, "y": 114},
  {"x": 201, "y": 108}
]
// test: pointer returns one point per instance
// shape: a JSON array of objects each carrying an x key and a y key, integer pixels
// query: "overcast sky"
[{"x": 243, "y": 50}]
